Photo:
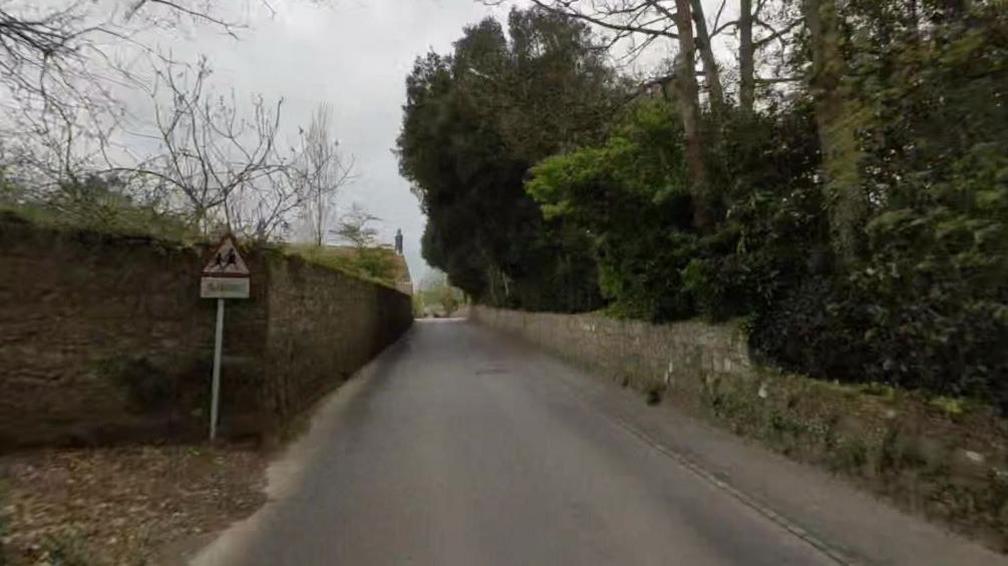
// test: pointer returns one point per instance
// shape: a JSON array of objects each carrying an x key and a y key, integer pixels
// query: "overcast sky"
[{"x": 355, "y": 55}]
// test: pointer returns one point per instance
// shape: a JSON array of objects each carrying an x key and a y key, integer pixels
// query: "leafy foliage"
[
  {"x": 923, "y": 303},
  {"x": 935, "y": 279},
  {"x": 474, "y": 123},
  {"x": 858, "y": 221},
  {"x": 630, "y": 195},
  {"x": 437, "y": 297}
]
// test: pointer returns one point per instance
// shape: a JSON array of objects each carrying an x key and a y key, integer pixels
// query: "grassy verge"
[
  {"x": 374, "y": 265},
  {"x": 941, "y": 457}
]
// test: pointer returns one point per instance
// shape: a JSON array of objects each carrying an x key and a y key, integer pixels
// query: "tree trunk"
[
  {"x": 688, "y": 99},
  {"x": 837, "y": 120},
  {"x": 912, "y": 22},
  {"x": 710, "y": 67},
  {"x": 747, "y": 58},
  {"x": 201, "y": 218},
  {"x": 319, "y": 216}
]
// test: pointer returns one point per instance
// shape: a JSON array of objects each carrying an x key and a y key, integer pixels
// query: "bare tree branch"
[
  {"x": 626, "y": 17},
  {"x": 321, "y": 171},
  {"x": 224, "y": 166},
  {"x": 776, "y": 34}
]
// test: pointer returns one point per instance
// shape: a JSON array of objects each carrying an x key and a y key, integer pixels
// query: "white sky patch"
[
  {"x": 356, "y": 56},
  {"x": 353, "y": 54}
]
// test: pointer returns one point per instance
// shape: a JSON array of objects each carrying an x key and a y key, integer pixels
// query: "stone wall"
[
  {"x": 946, "y": 458},
  {"x": 648, "y": 356},
  {"x": 104, "y": 338},
  {"x": 322, "y": 327}
]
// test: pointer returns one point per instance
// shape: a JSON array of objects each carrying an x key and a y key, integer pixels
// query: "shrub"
[{"x": 630, "y": 196}]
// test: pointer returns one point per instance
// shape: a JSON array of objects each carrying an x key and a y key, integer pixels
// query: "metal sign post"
[
  {"x": 215, "y": 386},
  {"x": 226, "y": 276}
]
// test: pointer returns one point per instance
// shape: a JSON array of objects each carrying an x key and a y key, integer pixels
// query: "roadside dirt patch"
[{"x": 121, "y": 505}]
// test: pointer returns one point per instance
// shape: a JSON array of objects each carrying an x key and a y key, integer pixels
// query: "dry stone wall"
[{"x": 648, "y": 356}]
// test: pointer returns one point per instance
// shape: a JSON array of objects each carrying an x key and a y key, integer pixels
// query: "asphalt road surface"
[{"x": 462, "y": 447}]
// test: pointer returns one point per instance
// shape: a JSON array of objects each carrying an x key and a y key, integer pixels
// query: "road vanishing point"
[{"x": 462, "y": 446}]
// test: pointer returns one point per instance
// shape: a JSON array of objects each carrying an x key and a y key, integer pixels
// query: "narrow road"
[{"x": 461, "y": 448}]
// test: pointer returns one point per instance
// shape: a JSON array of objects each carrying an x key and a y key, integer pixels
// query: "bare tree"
[
  {"x": 764, "y": 29},
  {"x": 747, "y": 57},
  {"x": 46, "y": 48},
  {"x": 322, "y": 171},
  {"x": 642, "y": 23},
  {"x": 688, "y": 93},
  {"x": 59, "y": 62},
  {"x": 705, "y": 47},
  {"x": 43, "y": 51},
  {"x": 766, "y": 32},
  {"x": 355, "y": 227},
  {"x": 218, "y": 161},
  {"x": 62, "y": 63},
  {"x": 53, "y": 94},
  {"x": 222, "y": 163}
]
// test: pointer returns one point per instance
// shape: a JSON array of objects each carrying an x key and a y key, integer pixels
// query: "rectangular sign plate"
[{"x": 224, "y": 287}]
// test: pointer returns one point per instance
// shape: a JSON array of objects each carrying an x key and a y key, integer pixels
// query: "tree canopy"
[
  {"x": 475, "y": 122},
  {"x": 844, "y": 189}
]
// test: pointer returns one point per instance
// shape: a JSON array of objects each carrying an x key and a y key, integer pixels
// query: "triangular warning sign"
[{"x": 226, "y": 261}]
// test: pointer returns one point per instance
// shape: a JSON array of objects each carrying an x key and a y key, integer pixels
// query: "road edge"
[{"x": 287, "y": 465}]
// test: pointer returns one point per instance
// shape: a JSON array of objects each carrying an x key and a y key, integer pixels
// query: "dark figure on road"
[{"x": 398, "y": 241}]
